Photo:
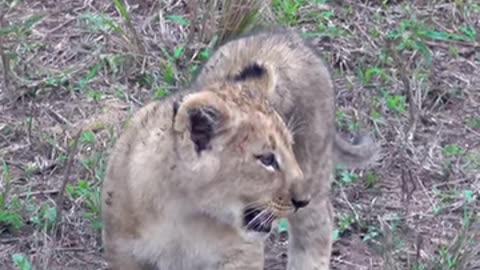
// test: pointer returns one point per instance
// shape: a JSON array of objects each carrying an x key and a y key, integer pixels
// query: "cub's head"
[{"x": 236, "y": 154}]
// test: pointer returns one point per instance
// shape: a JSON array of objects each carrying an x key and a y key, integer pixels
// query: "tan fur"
[
  {"x": 304, "y": 95},
  {"x": 170, "y": 201}
]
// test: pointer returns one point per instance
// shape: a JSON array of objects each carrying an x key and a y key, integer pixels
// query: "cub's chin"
[{"x": 257, "y": 223}]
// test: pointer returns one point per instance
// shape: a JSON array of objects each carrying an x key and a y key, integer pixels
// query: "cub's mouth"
[{"x": 258, "y": 220}]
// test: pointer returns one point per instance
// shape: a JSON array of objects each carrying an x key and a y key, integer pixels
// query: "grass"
[{"x": 409, "y": 78}]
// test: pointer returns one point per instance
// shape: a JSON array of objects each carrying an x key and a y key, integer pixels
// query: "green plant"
[
  {"x": 451, "y": 150},
  {"x": 343, "y": 224},
  {"x": 396, "y": 103},
  {"x": 44, "y": 217},
  {"x": 347, "y": 177},
  {"x": 473, "y": 122},
  {"x": 9, "y": 210},
  {"x": 178, "y": 19},
  {"x": 87, "y": 137},
  {"x": 169, "y": 74},
  {"x": 99, "y": 22},
  {"x": 23, "y": 29},
  {"x": 371, "y": 179},
  {"x": 288, "y": 10},
  {"x": 21, "y": 261},
  {"x": 160, "y": 93},
  {"x": 91, "y": 74},
  {"x": 89, "y": 195}
]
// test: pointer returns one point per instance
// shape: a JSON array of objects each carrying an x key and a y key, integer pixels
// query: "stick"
[{"x": 70, "y": 154}]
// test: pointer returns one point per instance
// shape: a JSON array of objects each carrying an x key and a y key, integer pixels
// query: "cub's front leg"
[
  {"x": 311, "y": 236},
  {"x": 245, "y": 256}
]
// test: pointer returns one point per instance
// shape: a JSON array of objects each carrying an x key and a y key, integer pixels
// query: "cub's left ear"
[
  {"x": 262, "y": 74},
  {"x": 203, "y": 115}
]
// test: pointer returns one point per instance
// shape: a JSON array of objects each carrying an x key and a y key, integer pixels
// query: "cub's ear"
[
  {"x": 262, "y": 74},
  {"x": 203, "y": 115}
]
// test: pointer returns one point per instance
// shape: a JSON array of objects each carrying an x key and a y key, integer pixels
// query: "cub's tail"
[{"x": 355, "y": 155}]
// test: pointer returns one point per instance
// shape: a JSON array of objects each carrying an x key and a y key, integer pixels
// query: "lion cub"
[
  {"x": 302, "y": 91},
  {"x": 195, "y": 182}
]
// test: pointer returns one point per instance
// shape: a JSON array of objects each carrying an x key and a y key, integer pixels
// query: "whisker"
[
  {"x": 255, "y": 203},
  {"x": 267, "y": 220},
  {"x": 252, "y": 222}
]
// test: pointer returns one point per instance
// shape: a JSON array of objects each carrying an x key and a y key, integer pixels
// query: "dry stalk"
[
  {"x": 412, "y": 106},
  {"x": 3, "y": 56},
  {"x": 70, "y": 158}
]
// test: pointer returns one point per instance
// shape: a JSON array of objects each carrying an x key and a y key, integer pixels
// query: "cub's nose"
[{"x": 299, "y": 203}]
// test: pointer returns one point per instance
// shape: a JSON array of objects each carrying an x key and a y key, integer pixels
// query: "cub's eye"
[{"x": 268, "y": 160}]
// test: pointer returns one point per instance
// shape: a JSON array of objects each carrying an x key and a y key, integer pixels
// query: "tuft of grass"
[
  {"x": 120, "y": 6},
  {"x": 239, "y": 16}
]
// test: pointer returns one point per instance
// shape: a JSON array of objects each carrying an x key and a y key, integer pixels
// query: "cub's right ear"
[{"x": 203, "y": 115}]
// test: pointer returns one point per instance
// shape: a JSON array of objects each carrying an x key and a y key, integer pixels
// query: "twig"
[
  {"x": 59, "y": 118},
  {"x": 70, "y": 154},
  {"x": 408, "y": 192},
  {"x": 4, "y": 59},
  {"x": 40, "y": 192}
]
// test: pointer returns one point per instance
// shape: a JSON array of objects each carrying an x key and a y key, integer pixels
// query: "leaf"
[
  {"x": 336, "y": 234},
  {"x": 32, "y": 21},
  {"x": 424, "y": 50},
  {"x": 451, "y": 150},
  {"x": 347, "y": 177},
  {"x": 5, "y": 171},
  {"x": 93, "y": 72},
  {"x": 178, "y": 19},
  {"x": 204, "y": 54},
  {"x": 161, "y": 92},
  {"x": 21, "y": 262},
  {"x": 177, "y": 52},
  {"x": 469, "y": 195},
  {"x": 121, "y": 9},
  {"x": 372, "y": 71},
  {"x": 9, "y": 29},
  {"x": 470, "y": 32},
  {"x": 432, "y": 34},
  {"x": 283, "y": 225},
  {"x": 169, "y": 74},
  {"x": 11, "y": 219},
  {"x": 88, "y": 137}
]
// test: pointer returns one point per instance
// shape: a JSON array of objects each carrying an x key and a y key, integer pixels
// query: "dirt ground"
[{"x": 408, "y": 72}]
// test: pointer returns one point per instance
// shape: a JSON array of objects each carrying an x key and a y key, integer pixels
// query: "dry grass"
[{"x": 405, "y": 70}]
